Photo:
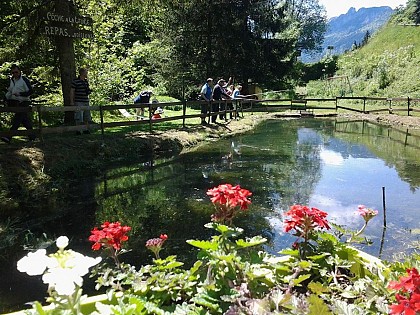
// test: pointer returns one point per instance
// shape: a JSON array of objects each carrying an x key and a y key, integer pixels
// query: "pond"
[{"x": 329, "y": 164}]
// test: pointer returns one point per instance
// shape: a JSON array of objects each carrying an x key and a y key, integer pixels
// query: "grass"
[{"x": 387, "y": 66}]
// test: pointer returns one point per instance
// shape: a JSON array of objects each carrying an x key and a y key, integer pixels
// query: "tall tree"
[
  {"x": 226, "y": 38},
  {"x": 310, "y": 16}
]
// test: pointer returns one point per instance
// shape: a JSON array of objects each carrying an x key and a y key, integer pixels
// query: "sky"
[{"x": 337, "y": 7}]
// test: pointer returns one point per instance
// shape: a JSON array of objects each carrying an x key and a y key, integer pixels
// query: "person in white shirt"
[{"x": 18, "y": 95}]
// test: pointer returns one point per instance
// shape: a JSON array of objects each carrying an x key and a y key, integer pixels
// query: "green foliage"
[
  {"x": 228, "y": 278},
  {"x": 386, "y": 65}
]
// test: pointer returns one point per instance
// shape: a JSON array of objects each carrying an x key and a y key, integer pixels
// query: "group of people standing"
[
  {"x": 216, "y": 96},
  {"x": 20, "y": 89}
]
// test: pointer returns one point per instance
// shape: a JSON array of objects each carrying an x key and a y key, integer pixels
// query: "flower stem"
[{"x": 358, "y": 232}]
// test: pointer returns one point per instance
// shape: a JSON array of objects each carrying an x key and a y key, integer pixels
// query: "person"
[
  {"x": 157, "y": 113},
  {"x": 237, "y": 95},
  {"x": 229, "y": 91},
  {"x": 218, "y": 94},
  {"x": 18, "y": 95},
  {"x": 79, "y": 96},
  {"x": 206, "y": 94},
  {"x": 142, "y": 98}
]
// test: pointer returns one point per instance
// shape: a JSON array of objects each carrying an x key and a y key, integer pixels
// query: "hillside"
[
  {"x": 344, "y": 30},
  {"x": 387, "y": 66}
]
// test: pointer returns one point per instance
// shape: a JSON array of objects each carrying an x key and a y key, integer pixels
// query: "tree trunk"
[{"x": 67, "y": 59}]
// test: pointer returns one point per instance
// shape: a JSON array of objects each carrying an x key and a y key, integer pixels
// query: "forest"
[{"x": 168, "y": 46}]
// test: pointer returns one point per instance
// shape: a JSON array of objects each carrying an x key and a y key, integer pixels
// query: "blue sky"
[{"x": 337, "y": 7}]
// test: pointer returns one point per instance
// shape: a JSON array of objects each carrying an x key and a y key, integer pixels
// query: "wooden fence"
[{"x": 392, "y": 105}]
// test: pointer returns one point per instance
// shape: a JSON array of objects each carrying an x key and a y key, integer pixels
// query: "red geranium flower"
[
  {"x": 411, "y": 283},
  {"x": 406, "y": 306},
  {"x": 304, "y": 220},
  {"x": 110, "y": 236},
  {"x": 231, "y": 196},
  {"x": 409, "y": 300},
  {"x": 226, "y": 199}
]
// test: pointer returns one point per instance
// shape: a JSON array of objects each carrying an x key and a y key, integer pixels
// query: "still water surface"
[{"x": 331, "y": 165}]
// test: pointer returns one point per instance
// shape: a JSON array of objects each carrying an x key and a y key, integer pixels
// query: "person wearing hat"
[
  {"x": 218, "y": 93},
  {"x": 157, "y": 113}
]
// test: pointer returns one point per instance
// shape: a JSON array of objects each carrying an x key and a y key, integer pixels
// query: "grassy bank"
[{"x": 386, "y": 66}]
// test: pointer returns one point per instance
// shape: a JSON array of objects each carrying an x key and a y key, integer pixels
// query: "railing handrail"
[{"x": 294, "y": 104}]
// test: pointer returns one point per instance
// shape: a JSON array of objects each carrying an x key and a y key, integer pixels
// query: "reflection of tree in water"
[
  {"x": 399, "y": 148},
  {"x": 171, "y": 197}
]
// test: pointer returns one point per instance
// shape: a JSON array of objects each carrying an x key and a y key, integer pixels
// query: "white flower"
[
  {"x": 66, "y": 271},
  {"x": 62, "y": 242},
  {"x": 62, "y": 271},
  {"x": 34, "y": 263}
]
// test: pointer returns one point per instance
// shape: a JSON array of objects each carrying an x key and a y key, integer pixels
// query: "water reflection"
[{"x": 332, "y": 165}]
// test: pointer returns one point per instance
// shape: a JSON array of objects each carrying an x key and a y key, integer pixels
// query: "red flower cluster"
[
  {"x": 111, "y": 236},
  {"x": 226, "y": 198},
  {"x": 409, "y": 300},
  {"x": 304, "y": 219},
  {"x": 231, "y": 196}
]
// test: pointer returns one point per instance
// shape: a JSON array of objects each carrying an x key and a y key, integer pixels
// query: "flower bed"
[{"x": 321, "y": 272}]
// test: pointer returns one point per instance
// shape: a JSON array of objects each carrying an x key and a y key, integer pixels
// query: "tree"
[
  {"x": 225, "y": 38},
  {"x": 310, "y": 17}
]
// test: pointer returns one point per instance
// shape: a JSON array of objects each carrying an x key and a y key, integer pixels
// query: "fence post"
[
  {"x": 101, "y": 114},
  {"x": 38, "y": 108},
  {"x": 364, "y": 105},
  {"x": 209, "y": 109},
  {"x": 336, "y": 103},
  {"x": 184, "y": 111},
  {"x": 408, "y": 105},
  {"x": 225, "y": 110},
  {"x": 150, "y": 118}
]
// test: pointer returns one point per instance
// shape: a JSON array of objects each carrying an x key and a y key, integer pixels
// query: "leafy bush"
[{"x": 321, "y": 272}]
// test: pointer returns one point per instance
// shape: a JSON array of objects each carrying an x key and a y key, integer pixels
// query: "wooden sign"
[
  {"x": 72, "y": 19},
  {"x": 63, "y": 31},
  {"x": 65, "y": 26}
]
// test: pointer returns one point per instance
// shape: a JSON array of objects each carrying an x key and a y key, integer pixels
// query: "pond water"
[{"x": 329, "y": 164}]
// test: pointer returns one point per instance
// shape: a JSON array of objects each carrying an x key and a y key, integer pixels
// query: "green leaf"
[
  {"x": 305, "y": 264},
  {"x": 317, "y": 306},
  {"x": 38, "y": 308},
  {"x": 254, "y": 241},
  {"x": 301, "y": 279},
  {"x": 317, "y": 288},
  {"x": 290, "y": 252},
  {"x": 207, "y": 301},
  {"x": 206, "y": 245}
]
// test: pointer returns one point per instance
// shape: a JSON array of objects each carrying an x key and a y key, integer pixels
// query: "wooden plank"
[
  {"x": 12, "y": 133},
  {"x": 320, "y": 107},
  {"x": 377, "y": 99},
  {"x": 350, "y": 109},
  {"x": 68, "y": 108},
  {"x": 63, "y": 129},
  {"x": 320, "y": 99},
  {"x": 17, "y": 109},
  {"x": 350, "y": 97},
  {"x": 377, "y": 110}
]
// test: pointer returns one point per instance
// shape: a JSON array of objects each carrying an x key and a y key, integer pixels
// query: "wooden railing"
[{"x": 392, "y": 105}]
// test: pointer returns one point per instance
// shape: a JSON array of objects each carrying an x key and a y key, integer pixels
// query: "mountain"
[{"x": 344, "y": 30}]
